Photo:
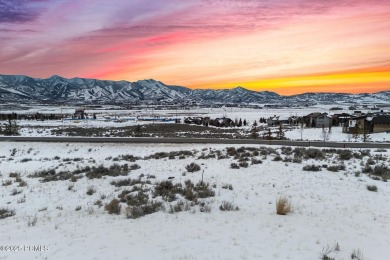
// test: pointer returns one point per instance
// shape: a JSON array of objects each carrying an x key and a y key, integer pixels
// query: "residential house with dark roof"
[{"x": 381, "y": 123}]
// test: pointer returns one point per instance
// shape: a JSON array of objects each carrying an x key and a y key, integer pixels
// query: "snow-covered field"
[
  {"x": 330, "y": 208},
  {"x": 43, "y": 128}
]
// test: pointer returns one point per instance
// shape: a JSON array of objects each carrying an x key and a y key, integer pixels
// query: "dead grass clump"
[
  {"x": 135, "y": 167},
  {"x": 138, "y": 199},
  {"x": 283, "y": 206},
  {"x": 91, "y": 190},
  {"x": 167, "y": 190},
  {"x": 140, "y": 211},
  {"x": 243, "y": 164},
  {"x": 299, "y": 152},
  {"x": 345, "y": 154},
  {"x": 181, "y": 205},
  {"x": 204, "y": 190},
  {"x": 256, "y": 161},
  {"x": 234, "y": 166},
  {"x": 130, "y": 158},
  {"x": 129, "y": 182},
  {"x": 277, "y": 158},
  {"x": 113, "y": 207},
  {"x": 5, "y": 213},
  {"x": 228, "y": 206},
  {"x": 231, "y": 151},
  {"x": 313, "y": 153},
  {"x": 373, "y": 188},
  {"x": 357, "y": 254},
  {"x": 286, "y": 150},
  {"x": 193, "y": 167},
  {"x": 14, "y": 175},
  {"x": 312, "y": 168},
  {"x": 114, "y": 171},
  {"x": 336, "y": 168},
  {"x": 7, "y": 182}
]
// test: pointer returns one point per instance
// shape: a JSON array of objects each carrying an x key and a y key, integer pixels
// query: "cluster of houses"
[
  {"x": 368, "y": 123},
  {"x": 351, "y": 123},
  {"x": 217, "y": 122}
]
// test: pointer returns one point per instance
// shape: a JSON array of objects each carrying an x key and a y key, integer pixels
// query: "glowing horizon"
[{"x": 288, "y": 47}]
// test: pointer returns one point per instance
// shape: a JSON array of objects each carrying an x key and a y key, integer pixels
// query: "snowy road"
[{"x": 192, "y": 141}]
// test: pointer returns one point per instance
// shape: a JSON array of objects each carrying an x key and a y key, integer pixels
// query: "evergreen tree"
[
  {"x": 254, "y": 131},
  {"x": 138, "y": 131}
]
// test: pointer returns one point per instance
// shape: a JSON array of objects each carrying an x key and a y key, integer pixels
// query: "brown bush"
[{"x": 283, "y": 206}]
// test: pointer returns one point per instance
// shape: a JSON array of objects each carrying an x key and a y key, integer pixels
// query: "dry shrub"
[
  {"x": 283, "y": 206},
  {"x": 113, "y": 207},
  {"x": 373, "y": 188}
]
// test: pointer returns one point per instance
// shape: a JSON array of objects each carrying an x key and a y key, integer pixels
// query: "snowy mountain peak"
[{"x": 19, "y": 88}]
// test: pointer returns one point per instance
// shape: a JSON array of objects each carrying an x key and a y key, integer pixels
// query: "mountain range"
[{"x": 23, "y": 89}]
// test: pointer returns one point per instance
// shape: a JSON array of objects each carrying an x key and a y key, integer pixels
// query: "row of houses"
[
  {"x": 311, "y": 120},
  {"x": 351, "y": 123},
  {"x": 368, "y": 123}
]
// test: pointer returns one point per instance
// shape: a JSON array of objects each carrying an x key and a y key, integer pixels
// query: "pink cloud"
[{"x": 133, "y": 39}]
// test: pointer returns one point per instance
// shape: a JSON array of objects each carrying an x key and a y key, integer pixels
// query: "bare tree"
[
  {"x": 325, "y": 134},
  {"x": 301, "y": 129}
]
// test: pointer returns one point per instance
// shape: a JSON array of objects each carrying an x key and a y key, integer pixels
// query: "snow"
[
  {"x": 335, "y": 135},
  {"x": 291, "y": 132},
  {"x": 329, "y": 208},
  {"x": 14, "y": 91}
]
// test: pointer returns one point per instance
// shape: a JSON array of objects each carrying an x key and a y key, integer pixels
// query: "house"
[
  {"x": 381, "y": 124},
  {"x": 317, "y": 120},
  {"x": 80, "y": 113},
  {"x": 323, "y": 120},
  {"x": 206, "y": 121},
  {"x": 340, "y": 119},
  {"x": 273, "y": 120},
  {"x": 358, "y": 124},
  {"x": 277, "y": 120},
  {"x": 223, "y": 122},
  {"x": 293, "y": 120},
  {"x": 193, "y": 120}
]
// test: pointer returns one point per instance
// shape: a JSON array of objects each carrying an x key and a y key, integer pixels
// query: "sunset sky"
[{"x": 286, "y": 46}]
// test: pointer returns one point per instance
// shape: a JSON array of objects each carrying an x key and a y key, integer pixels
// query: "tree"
[
  {"x": 325, "y": 134},
  {"x": 280, "y": 132},
  {"x": 138, "y": 131},
  {"x": 268, "y": 136},
  {"x": 11, "y": 128},
  {"x": 254, "y": 131},
  {"x": 301, "y": 129},
  {"x": 365, "y": 134},
  {"x": 356, "y": 132},
  {"x": 240, "y": 123},
  {"x": 244, "y": 122}
]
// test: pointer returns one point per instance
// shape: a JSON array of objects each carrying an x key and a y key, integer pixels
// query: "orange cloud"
[{"x": 354, "y": 81}]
